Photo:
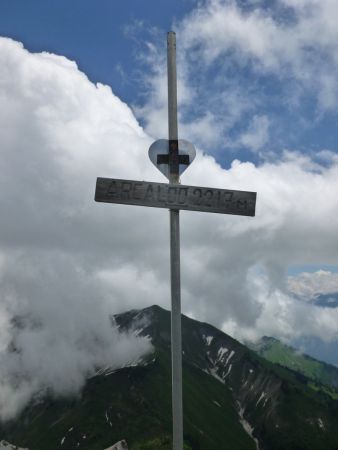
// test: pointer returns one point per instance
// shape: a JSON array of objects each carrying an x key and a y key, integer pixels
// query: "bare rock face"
[{"x": 121, "y": 445}]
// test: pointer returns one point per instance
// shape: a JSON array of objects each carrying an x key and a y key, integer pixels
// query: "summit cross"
[{"x": 172, "y": 157}]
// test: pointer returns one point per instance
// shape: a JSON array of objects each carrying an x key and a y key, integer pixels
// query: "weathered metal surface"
[
  {"x": 172, "y": 160},
  {"x": 175, "y": 272},
  {"x": 175, "y": 196}
]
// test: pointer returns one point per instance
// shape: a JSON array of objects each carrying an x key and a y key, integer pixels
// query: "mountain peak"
[{"x": 231, "y": 395}]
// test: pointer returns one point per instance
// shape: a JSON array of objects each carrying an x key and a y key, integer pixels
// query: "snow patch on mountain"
[
  {"x": 4, "y": 445},
  {"x": 221, "y": 352},
  {"x": 228, "y": 371},
  {"x": 121, "y": 445},
  {"x": 229, "y": 357},
  {"x": 107, "y": 419},
  {"x": 208, "y": 339},
  {"x": 213, "y": 372},
  {"x": 321, "y": 424},
  {"x": 246, "y": 425},
  {"x": 260, "y": 398}
]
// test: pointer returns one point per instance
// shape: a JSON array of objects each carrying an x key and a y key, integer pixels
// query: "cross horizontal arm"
[
  {"x": 163, "y": 195},
  {"x": 182, "y": 159}
]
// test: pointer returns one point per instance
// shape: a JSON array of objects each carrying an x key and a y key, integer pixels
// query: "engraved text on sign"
[{"x": 162, "y": 195}]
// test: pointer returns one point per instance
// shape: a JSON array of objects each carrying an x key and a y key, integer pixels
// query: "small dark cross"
[{"x": 173, "y": 158}]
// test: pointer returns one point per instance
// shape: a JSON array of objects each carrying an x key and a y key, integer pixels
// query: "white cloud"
[
  {"x": 309, "y": 284},
  {"x": 55, "y": 123},
  {"x": 284, "y": 317},
  {"x": 222, "y": 43},
  {"x": 66, "y": 262},
  {"x": 257, "y": 134},
  {"x": 288, "y": 48}
]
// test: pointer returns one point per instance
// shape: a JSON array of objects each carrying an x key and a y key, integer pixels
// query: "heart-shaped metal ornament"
[{"x": 159, "y": 152}]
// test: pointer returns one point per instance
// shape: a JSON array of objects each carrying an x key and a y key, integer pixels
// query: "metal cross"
[
  {"x": 173, "y": 159},
  {"x": 175, "y": 197},
  {"x": 175, "y": 264}
]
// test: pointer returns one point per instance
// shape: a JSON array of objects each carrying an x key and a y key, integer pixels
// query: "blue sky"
[
  {"x": 83, "y": 93},
  {"x": 93, "y": 33},
  {"x": 110, "y": 42}
]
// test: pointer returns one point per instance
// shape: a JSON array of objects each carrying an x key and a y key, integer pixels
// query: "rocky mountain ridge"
[{"x": 232, "y": 399}]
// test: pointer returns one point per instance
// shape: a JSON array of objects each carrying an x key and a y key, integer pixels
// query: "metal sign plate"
[
  {"x": 160, "y": 148},
  {"x": 170, "y": 196}
]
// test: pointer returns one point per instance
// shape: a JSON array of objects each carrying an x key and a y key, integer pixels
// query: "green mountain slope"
[
  {"x": 324, "y": 376},
  {"x": 229, "y": 393}
]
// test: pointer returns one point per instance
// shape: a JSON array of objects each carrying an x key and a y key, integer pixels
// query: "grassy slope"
[
  {"x": 324, "y": 376},
  {"x": 138, "y": 404},
  {"x": 297, "y": 425},
  {"x": 286, "y": 356}
]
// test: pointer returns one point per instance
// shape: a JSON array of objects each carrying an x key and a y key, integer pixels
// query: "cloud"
[
  {"x": 58, "y": 330},
  {"x": 237, "y": 59},
  {"x": 66, "y": 262},
  {"x": 288, "y": 39},
  {"x": 243, "y": 263},
  {"x": 257, "y": 134},
  {"x": 55, "y": 326},
  {"x": 283, "y": 316},
  {"x": 307, "y": 285}
]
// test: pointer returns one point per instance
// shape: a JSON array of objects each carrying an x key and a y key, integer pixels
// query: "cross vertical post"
[
  {"x": 176, "y": 333},
  {"x": 170, "y": 157}
]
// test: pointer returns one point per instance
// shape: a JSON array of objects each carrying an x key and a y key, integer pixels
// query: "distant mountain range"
[{"x": 233, "y": 399}]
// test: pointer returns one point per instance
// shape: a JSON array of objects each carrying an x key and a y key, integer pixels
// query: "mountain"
[
  {"x": 324, "y": 375},
  {"x": 233, "y": 400}
]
